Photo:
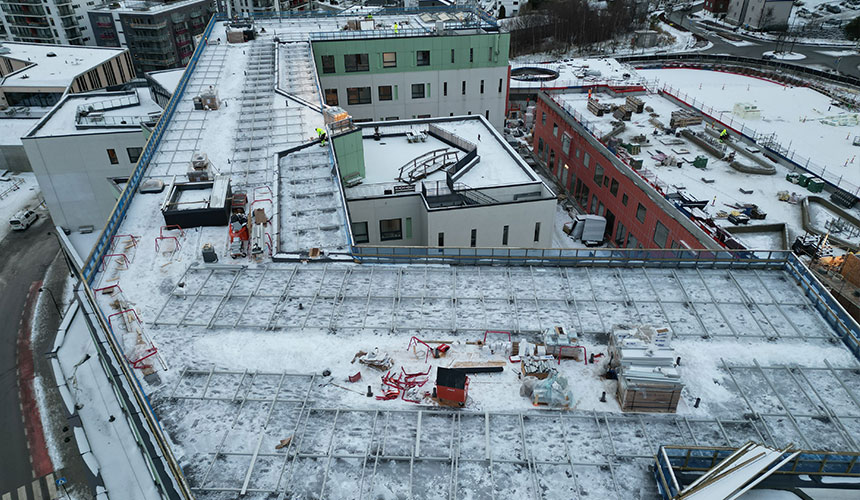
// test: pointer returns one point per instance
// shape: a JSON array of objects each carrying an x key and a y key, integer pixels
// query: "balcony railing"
[
  {"x": 144, "y": 26},
  {"x": 27, "y": 22}
]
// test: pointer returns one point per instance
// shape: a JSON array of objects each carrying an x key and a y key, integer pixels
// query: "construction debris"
[
  {"x": 551, "y": 391},
  {"x": 376, "y": 359}
]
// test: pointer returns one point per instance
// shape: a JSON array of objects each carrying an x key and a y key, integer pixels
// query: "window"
[
  {"x": 423, "y": 58},
  {"x": 133, "y": 154},
  {"x": 112, "y": 157},
  {"x": 594, "y": 203},
  {"x": 500, "y": 85},
  {"x": 328, "y": 64},
  {"x": 384, "y": 92},
  {"x": 359, "y": 232},
  {"x": 408, "y": 227},
  {"x": 505, "y": 235},
  {"x": 440, "y": 240},
  {"x": 598, "y": 175},
  {"x": 613, "y": 187},
  {"x": 331, "y": 97},
  {"x": 632, "y": 242},
  {"x": 418, "y": 91},
  {"x": 565, "y": 144},
  {"x": 540, "y": 144},
  {"x": 452, "y": 56},
  {"x": 356, "y": 62},
  {"x": 620, "y": 235},
  {"x": 585, "y": 160},
  {"x": 474, "y": 238},
  {"x": 551, "y": 159},
  {"x": 555, "y": 129},
  {"x": 445, "y": 88},
  {"x": 490, "y": 54},
  {"x": 543, "y": 118},
  {"x": 537, "y": 232},
  {"x": 482, "y": 86},
  {"x": 390, "y": 229},
  {"x": 661, "y": 234},
  {"x": 640, "y": 213},
  {"x": 487, "y": 114},
  {"x": 624, "y": 199},
  {"x": 389, "y": 59},
  {"x": 471, "y": 55},
  {"x": 358, "y": 95},
  {"x": 464, "y": 87}
]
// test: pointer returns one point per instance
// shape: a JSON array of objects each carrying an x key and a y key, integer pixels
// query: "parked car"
[{"x": 23, "y": 219}]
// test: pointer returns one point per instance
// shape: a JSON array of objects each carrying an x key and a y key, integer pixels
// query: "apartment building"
[
  {"x": 83, "y": 151},
  {"x": 158, "y": 35},
  {"x": 410, "y": 73},
  {"x": 759, "y": 14},
  {"x": 54, "y": 22},
  {"x": 34, "y": 75},
  {"x": 446, "y": 182}
]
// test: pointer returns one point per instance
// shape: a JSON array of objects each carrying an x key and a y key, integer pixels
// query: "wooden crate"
[{"x": 648, "y": 398}]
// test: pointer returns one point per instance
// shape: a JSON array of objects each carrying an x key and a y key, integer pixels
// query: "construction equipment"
[
  {"x": 238, "y": 226},
  {"x": 452, "y": 385}
]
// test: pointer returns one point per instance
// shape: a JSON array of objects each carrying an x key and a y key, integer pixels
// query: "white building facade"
[{"x": 760, "y": 14}]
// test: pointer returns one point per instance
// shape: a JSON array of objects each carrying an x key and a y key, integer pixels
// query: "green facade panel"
[
  {"x": 349, "y": 152},
  {"x": 487, "y": 50}
]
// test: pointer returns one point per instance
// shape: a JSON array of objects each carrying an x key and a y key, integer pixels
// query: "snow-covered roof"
[
  {"x": 12, "y": 129},
  {"x": 111, "y": 109},
  {"x": 572, "y": 73},
  {"x": 142, "y": 7},
  {"x": 167, "y": 78},
  {"x": 57, "y": 70},
  {"x": 497, "y": 164}
]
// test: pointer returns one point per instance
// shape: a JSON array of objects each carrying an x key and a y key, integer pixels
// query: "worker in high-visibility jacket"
[
  {"x": 396, "y": 28},
  {"x": 321, "y": 135},
  {"x": 724, "y": 135}
]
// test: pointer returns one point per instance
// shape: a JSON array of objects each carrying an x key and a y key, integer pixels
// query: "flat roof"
[
  {"x": 12, "y": 129},
  {"x": 132, "y": 107},
  {"x": 167, "y": 78},
  {"x": 266, "y": 331},
  {"x": 723, "y": 187},
  {"x": 526, "y": 74},
  {"x": 496, "y": 165},
  {"x": 59, "y": 70}
]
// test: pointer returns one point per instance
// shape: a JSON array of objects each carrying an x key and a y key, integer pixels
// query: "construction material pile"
[
  {"x": 648, "y": 379},
  {"x": 560, "y": 343}
]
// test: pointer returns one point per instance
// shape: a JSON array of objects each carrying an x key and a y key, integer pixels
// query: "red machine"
[{"x": 452, "y": 385}]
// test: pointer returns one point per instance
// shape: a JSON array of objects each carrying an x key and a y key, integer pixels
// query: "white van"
[{"x": 23, "y": 219}]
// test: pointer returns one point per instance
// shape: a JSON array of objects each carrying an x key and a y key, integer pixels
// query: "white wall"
[
  {"x": 457, "y": 223},
  {"x": 73, "y": 173},
  {"x": 436, "y": 103}
]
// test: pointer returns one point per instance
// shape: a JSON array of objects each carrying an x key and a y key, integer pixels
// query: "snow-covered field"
[{"x": 810, "y": 127}]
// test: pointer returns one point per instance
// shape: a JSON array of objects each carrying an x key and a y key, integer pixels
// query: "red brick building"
[
  {"x": 637, "y": 215},
  {"x": 717, "y": 6}
]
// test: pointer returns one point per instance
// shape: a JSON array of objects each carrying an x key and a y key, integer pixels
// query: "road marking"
[
  {"x": 22, "y": 493},
  {"x": 52, "y": 486},
  {"x": 37, "y": 489}
]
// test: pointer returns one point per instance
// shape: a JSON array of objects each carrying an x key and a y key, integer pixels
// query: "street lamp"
[{"x": 54, "y": 300}]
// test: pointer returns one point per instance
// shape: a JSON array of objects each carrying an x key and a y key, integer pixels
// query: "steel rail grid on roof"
[{"x": 399, "y": 295}]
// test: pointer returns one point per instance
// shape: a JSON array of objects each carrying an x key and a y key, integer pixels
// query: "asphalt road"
[
  {"x": 753, "y": 47},
  {"x": 24, "y": 258}
]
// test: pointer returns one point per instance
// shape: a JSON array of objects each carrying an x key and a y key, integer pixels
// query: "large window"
[
  {"x": 133, "y": 154},
  {"x": 358, "y": 95},
  {"x": 43, "y": 100},
  {"x": 641, "y": 213},
  {"x": 565, "y": 143},
  {"x": 390, "y": 229},
  {"x": 328, "y": 64},
  {"x": 585, "y": 160},
  {"x": 389, "y": 59},
  {"x": 620, "y": 235},
  {"x": 331, "y": 97},
  {"x": 422, "y": 58},
  {"x": 356, "y": 62},
  {"x": 661, "y": 234},
  {"x": 359, "y": 232},
  {"x": 418, "y": 91},
  {"x": 385, "y": 92}
]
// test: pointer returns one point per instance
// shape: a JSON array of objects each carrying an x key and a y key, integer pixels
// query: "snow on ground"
[
  {"x": 837, "y": 53},
  {"x": 25, "y": 195},
  {"x": 810, "y": 128}
]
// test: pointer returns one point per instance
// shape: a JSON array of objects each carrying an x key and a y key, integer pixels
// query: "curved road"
[{"x": 754, "y": 47}]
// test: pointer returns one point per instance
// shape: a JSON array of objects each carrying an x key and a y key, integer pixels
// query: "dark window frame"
[
  {"x": 355, "y": 95},
  {"x": 385, "y": 97},
  {"x": 356, "y": 63},
  {"x": 390, "y": 233},
  {"x": 328, "y": 64},
  {"x": 358, "y": 236},
  {"x": 422, "y": 58}
]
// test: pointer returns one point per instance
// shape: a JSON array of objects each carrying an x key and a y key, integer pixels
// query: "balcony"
[
  {"x": 24, "y": 2},
  {"x": 23, "y": 10},
  {"x": 101, "y": 24},
  {"x": 27, "y": 22},
  {"x": 144, "y": 26},
  {"x": 28, "y": 34}
]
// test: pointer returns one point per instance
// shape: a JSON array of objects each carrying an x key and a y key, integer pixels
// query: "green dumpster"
[
  {"x": 701, "y": 161},
  {"x": 793, "y": 177},
  {"x": 804, "y": 179},
  {"x": 816, "y": 185}
]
